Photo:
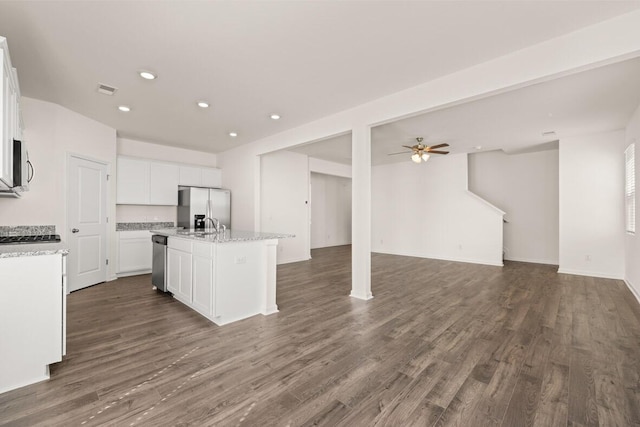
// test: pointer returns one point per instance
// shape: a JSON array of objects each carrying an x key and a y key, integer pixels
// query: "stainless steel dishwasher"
[{"x": 159, "y": 262}]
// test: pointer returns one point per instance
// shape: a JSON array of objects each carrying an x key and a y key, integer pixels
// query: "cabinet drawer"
[
  {"x": 180, "y": 244},
  {"x": 203, "y": 249},
  {"x": 134, "y": 234}
]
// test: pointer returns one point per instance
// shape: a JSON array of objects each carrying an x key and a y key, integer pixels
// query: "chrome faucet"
[{"x": 214, "y": 221}]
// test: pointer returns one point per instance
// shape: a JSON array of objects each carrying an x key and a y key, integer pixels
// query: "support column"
[
  {"x": 269, "y": 305},
  {"x": 361, "y": 212}
]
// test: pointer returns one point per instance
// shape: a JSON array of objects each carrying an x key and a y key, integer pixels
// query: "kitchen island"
[{"x": 226, "y": 276}]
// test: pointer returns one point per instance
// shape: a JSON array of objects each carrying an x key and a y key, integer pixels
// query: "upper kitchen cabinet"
[
  {"x": 211, "y": 177},
  {"x": 198, "y": 176},
  {"x": 163, "y": 184},
  {"x": 152, "y": 182},
  {"x": 133, "y": 181},
  {"x": 10, "y": 123}
]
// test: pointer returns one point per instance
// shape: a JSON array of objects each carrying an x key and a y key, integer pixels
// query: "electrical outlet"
[
  {"x": 241, "y": 260},
  {"x": 460, "y": 246},
  {"x": 587, "y": 258}
]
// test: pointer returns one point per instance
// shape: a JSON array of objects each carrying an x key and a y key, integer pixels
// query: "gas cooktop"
[{"x": 20, "y": 240}]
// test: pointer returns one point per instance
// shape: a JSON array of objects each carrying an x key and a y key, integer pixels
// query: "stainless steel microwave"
[{"x": 22, "y": 168}]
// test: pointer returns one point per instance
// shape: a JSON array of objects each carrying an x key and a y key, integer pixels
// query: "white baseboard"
[
  {"x": 289, "y": 261},
  {"x": 441, "y": 258},
  {"x": 270, "y": 310},
  {"x": 533, "y": 260},
  {"x": 589, "y": 274},
  {"x": 632, "y": 289},
  {"x": 365, "y": 297},
  {"x": 332, "y": 245},
  {"x": 133, "y": 273}
]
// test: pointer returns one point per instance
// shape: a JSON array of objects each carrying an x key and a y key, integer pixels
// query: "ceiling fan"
[{"x": 421, "y": 152}]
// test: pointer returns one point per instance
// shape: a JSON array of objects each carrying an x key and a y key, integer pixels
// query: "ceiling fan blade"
[
  {"x": 439, "y": 146},
  {"x": 403, "y": 152},
  {"x": 406, "y": 146},
  {"x": 437, "y": 152}
]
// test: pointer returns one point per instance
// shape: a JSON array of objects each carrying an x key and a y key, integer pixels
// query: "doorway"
[
  {"x": 330, "y": 210},
  {"x": 86, "y": 222}
]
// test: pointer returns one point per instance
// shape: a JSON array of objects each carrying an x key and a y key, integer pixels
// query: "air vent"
[
  {"x": 106, "y": 90},
  {"x": 549, "y": 133}
]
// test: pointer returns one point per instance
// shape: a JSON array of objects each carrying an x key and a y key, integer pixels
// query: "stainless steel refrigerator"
[{"x": 197, "y": 203}]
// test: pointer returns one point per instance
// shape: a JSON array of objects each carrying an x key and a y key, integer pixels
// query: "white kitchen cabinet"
[
  {"x": 151, "y": 182},
  {"x": 179, "y": 270},
  {"x": 211, "y": 177},
  {"x": 224, "y": 282},
  {"x": 202, "y": 280},
  {"x": 163, "y": 183},
  {"x": 133, "y": 181},
  {"x": 134, "y": 253},
  {"x": 10, "y": 123},
  {"x": 198, "y": 176},
  {"x": 32, "y": 318},
  {"x": 190, "y": 176}
]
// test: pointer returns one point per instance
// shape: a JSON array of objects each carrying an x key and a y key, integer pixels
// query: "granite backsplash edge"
[
  {"x": 132, "y": 226},
  {"x": 26, "y": 230}
]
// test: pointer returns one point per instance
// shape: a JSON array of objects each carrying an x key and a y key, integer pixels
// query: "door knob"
[{"x": 74, "y": 230}]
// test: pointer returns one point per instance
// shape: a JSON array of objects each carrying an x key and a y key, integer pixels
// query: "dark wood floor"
[{"x": 441, "y": 343}]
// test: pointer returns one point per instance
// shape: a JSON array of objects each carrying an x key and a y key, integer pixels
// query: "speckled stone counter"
[
  {"x": 26, "y": 230},
  {"x": 134, "y": 226},
  {"x": 33, "y": 249},
  {"x": 228, "y": 236}
]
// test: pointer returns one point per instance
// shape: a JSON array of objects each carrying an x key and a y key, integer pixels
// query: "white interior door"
[{"x": 87, "y": 222}]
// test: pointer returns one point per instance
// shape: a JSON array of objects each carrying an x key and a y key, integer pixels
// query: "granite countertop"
[
  {"x": 229, "y": 235},
  {"x": 136, "y": 226},
  {"x": 33, "y": 249}
]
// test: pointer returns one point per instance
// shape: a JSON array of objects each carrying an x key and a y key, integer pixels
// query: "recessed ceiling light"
[
  {"x": 124, "y": 108},
  {"x": 233, "y": 134},
  {"x": 275, "y": 117},
  {"x": 478, "y": 147},
  {"x": 148, "y": 75},
  {"x": 203, "y": 104}
]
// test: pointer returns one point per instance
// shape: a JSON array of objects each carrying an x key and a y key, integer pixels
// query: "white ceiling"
[
  {"x": 301, "y": 59},
  {"x": 598, "y": 100}
]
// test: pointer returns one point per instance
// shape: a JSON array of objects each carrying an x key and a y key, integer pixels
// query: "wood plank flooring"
[{"x": 441, "y": 344}]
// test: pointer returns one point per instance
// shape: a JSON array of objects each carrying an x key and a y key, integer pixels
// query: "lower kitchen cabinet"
[
  {"x": 179, "y": 271},
  {"x": 202, "y": 279},
  {"x": 224, "y": 282},
  {"x": 135, "y": 251},
  {"x": 32, "y": 318}
]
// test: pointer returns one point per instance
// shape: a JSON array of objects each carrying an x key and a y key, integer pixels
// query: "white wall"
[
  {"x": 425, "y": 210},
  {"x": 330, "y": 210},
  {"x": 592, "y": 205},
  {"x": 284, "y": 200},
  {"x": 525, "y": 186},
  {"x": 632, "y": 241},
  {"x": 607, "y": 42},
  {"x": 242, "y": 176},
  {"x": 51, "y": 132},
  {"x": 329, "y": 168},
  {"x": 148, "y": 150}
]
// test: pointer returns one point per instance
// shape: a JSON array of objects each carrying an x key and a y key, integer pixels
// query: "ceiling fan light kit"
[{"x": 420, "y": 152}]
